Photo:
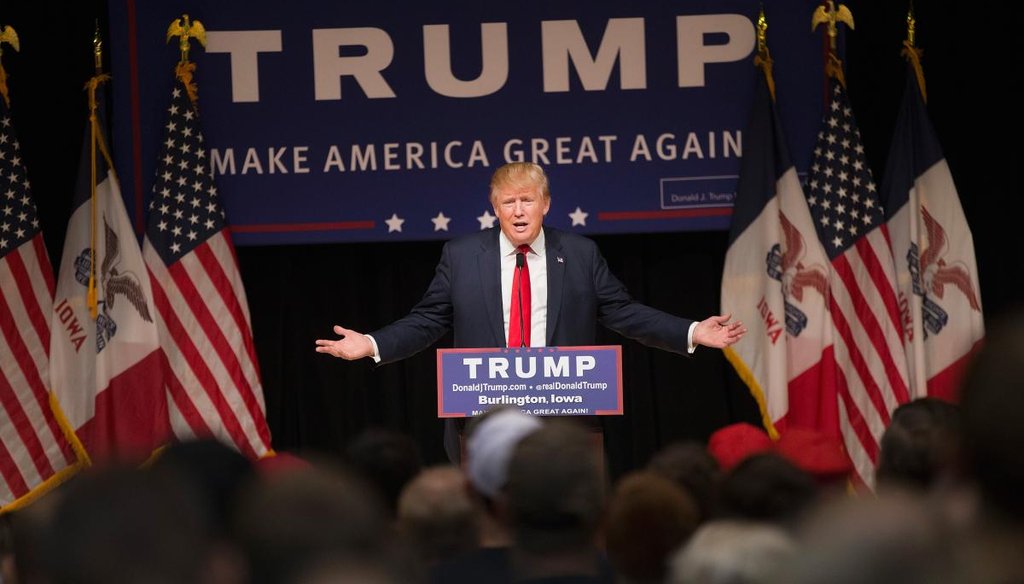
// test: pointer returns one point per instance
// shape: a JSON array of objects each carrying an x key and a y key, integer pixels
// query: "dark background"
[{"x": 317, "y": 404}]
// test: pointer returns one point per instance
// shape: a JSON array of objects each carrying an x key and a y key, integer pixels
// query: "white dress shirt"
[{"x": 538, "y": 265}]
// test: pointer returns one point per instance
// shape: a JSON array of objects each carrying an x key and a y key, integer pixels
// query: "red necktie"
[{"x": 519, "y": 314}]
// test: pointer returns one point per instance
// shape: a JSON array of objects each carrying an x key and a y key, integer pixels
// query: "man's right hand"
[{"x": 352, "y": 345}]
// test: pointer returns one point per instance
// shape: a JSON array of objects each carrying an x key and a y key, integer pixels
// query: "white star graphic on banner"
[
  {"x": 579, "y": 217},
  {"x": 441, "y": 222},
  {"x": 486, "y": 220},
  {"x": 394, "y": 223}
]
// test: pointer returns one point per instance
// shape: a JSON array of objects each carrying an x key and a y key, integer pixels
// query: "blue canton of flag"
[
  {"x": 842, "y": 194},
  {"x": 18, "y": 219},
  {"x": 185, "y": 210}
]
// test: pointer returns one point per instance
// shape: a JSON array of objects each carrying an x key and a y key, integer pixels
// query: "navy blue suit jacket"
[{"x": 465, "y": 297}]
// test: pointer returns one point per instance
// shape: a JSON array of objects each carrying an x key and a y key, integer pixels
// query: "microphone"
[{"x": 520, "y": 261}]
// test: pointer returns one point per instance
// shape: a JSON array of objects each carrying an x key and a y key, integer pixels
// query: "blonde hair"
[{"x": 520, "y": 175}]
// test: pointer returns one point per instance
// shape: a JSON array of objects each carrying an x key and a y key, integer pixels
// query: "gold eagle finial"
[
  {"x": 830, "y": 15},
  {"x": 9, "y": 36},
  {"x": 913, "y": 54},
  {"x": 763, "y": 58},
  {"x": 186, "y": 29}
]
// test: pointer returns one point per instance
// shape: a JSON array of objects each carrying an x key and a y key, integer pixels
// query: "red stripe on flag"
[
  {"x": 183, "y": 402},
  {"x": 856, "y": 419},
  {"x": 883, "y": 285},
  {"x": 10, "y": 401},
  {"x": 131, "y": 414},
  {"x": 45, "y": 266},
  {"x": 250, "y": 346},
  {"x": 945, "y": 384},
  {"x": 9, "y": 471},
  {"x": 812, "y": 397},
  {"x": 223, "y": 284},
  {"x": 869, "y": 324},
  {"x": 29, "y": 298},
  {"x": 191, "y": 356},
  {"x": 860, "y": 366},
  {"x": 206, "y": 321}
]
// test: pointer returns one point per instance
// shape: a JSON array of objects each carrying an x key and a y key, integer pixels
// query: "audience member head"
[
  {"x": 388, "y": 459},
  {"x": 648, "y": 518},
  {"x": 289, "y": 522},
  {"x": 992, "y": 406},
  {"x": 31, "y": 528},
  {"x": 733, "y": 552},
  {"x": 7, "y": 566},
  {"x": 436, "y": 515},
  {"x": 691, "y": 466},
  {"x": 731, "y": 444},
  {"x": 217, "y": 470},
  {"x": 123, "y": 525},
  {"x": 767, "y": 487},
  {"x": 821, "y": 456},
  {"x": 491, "y": 439},
  {"x": 893, "y": 538},
  {"x": 555, "y": 489},
  {"x": 919, "y": 445}
]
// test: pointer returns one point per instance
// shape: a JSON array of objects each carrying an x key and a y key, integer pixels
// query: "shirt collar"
[{"x": 506, "y": 247}]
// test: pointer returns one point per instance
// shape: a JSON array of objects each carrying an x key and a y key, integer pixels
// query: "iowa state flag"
[
  {"x": 776, "y": 281},
  {"x": 940, "y": 300},
  {"x": 104, "y": 355}
]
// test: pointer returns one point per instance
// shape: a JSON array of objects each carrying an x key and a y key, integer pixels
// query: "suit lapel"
[
  {"x": 489, "y": 265},
  {"x": 556, "y": 276}
]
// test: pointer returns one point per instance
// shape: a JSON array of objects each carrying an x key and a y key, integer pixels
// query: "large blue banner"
[{"x": 381, "y": 121}]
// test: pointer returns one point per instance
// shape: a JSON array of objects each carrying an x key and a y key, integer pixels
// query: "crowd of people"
[{"x": 532, "y": 502}]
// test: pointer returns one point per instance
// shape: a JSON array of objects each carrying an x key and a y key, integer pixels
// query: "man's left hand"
[{"x": 718, "y": 332}]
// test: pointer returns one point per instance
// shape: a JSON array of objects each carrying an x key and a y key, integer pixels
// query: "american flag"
[
  {"x": 871, "y": 369},
  {"x": 35, "y": 452},
  {"x": 211, "y": 371}
]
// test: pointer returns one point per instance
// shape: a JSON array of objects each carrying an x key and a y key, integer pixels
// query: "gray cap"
[{"x": 490, "y": 447}]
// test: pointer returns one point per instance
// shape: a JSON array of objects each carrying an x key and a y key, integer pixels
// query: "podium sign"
[{"x": 543, "y": 381}]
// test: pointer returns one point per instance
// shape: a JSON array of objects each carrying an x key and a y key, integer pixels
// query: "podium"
[{"x": 543, "y": 381}]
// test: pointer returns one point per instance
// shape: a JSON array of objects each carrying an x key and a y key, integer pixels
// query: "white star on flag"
[
  {"x": 441, "y": 222},
  {"x": 486, "y": 220},
  {"x": 579, "y": 217},
  {"x": 394, "y": 223}
]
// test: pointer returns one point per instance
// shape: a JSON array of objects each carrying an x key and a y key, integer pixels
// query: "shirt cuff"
[
  {"x": 376, "y": 352},
  {"x": 690, "y": 347}
]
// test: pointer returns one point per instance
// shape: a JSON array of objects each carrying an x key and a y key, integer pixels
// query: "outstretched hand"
[
  {"x": 352, "y": 345},
  {"x": 718, "y": 332}
]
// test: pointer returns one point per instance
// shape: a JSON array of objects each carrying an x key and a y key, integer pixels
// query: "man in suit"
[{"x": 476, "y": 293}]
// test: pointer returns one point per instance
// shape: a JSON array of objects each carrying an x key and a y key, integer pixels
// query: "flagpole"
[
  {"x": 186, "y": 29},
  {"x": 830, "y": 16},
  {"x": 913, "y": 54},
  {"x": 763, "y": 58},
  {"x": 97, "y": 49}
]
